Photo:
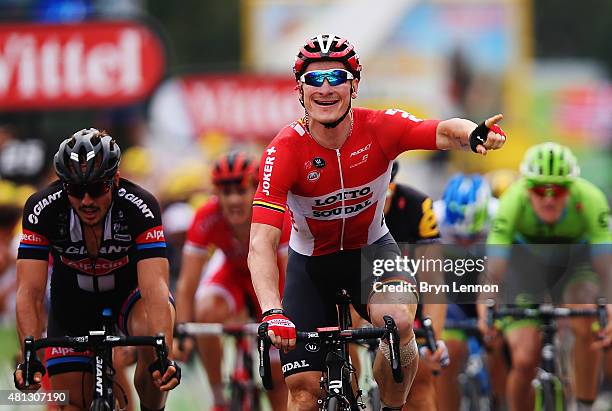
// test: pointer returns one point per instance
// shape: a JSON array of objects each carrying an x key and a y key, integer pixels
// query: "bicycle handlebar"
[
  {"x": 333, "y": 335},
  {"x": 92, "y": 341},
  {"x": 194, "y": 329},
  {"x": 547, "y": 311}
]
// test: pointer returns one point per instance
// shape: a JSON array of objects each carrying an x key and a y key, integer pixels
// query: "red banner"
[
  {"x": 93, "y": 64},
  {"x": 241, "y": 106}
]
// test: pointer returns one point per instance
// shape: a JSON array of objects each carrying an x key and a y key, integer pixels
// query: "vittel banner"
[{"x": 93, "y": 64}]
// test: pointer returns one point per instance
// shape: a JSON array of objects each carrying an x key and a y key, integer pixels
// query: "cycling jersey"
[
  {"x": 81, "y": 286},
  {"x": 336, "y": 196},
  {"x": 227, "y": 273},
  {"x": 209, "y": 229},
  {"x": 585, "y": 218},
  {"x": 410, "y": 217}
]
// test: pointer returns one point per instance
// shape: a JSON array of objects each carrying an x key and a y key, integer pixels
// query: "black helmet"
[
  {"x": 89, "y": 155},
  {"x": 394, "y": 170}
]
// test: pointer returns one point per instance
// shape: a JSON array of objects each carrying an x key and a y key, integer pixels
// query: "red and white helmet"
[{"x": 327, "y": 47}]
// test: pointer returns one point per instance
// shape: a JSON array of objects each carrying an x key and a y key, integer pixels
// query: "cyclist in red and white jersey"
[
  {"x": 217, "y": 242},
  {"x": 331, "y": 169}
]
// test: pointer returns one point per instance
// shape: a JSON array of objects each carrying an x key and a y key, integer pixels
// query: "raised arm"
[{"x": 454, "y": 134}]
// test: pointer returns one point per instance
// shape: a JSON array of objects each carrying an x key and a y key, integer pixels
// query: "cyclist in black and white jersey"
[{"x": 105, "y": 239}]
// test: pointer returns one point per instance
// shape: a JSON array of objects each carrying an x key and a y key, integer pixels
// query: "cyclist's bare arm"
[
  {"x": 31, "y": 286},
  {"x": 187, "y": 285},
  {"x": 153, "y": 283},
  {"x": 263, "y": 264},
  {"x": 454, "y": 134}
]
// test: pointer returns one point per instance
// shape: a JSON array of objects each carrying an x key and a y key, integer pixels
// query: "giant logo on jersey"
[
  {"x": 38, "y": 207},
  {"x": 137, "y": 201},
  {"x": 343, "y": 203},
  {"x": 99, "y": 266}
]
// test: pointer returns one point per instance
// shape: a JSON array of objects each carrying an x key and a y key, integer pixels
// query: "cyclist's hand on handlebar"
[
  {"x": 604, "y": 339},
  {"x": 280, "y": 329},
  {"x": 170, "y": 379},
  {"x": 437, "y": 360},
  {"x": 36, "y": 368},
  {"x": 488, "y": 333}
]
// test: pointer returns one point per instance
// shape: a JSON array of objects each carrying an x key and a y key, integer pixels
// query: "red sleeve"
[
  {"x": 400, "y": 131},
  {"x": 199, "y": 233},
  {"x": 276, "y": 176}
]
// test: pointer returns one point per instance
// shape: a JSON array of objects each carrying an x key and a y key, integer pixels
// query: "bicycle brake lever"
[
  {"x": 162, "y": 355},
  {"x": 393, "y": 340},
  {"x": 263, "y": 346},
  {"x": 28, "y": 350},
  {"x": 430, "y": 338}
]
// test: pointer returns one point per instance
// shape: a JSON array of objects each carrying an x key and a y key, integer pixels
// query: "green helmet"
[{"x": 549, "y": 163}]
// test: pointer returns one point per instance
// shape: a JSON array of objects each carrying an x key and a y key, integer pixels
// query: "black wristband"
[
  {"x": 478, "y": 136},
  {"x": 272, "y": 311}
]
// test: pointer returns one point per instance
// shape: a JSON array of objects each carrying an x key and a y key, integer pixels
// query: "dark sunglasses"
[
  {"x": 550, "y": 190},
  {"x": 94, "y": 190},
  {"x": 335, "y": 77}
]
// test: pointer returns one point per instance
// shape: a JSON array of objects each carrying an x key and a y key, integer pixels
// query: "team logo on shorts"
[
  {"x": 312, "y": 347},
  {"x": 318, "y": 162},
  {"x": 313, "y": 176}
]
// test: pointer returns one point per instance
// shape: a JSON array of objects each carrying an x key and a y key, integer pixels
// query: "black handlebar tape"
[
  {"x": 478, "y": 136},
  {"x": 430, "y": 338},
  {"x": 394, "y": 350},
  {"x": 263, "y": 346},
  {"x": 28, "y": 352}
]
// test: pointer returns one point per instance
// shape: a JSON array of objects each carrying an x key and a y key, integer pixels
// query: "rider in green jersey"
[{"x": 551, "y": 204}]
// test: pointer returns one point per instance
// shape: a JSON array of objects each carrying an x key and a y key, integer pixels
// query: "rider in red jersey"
[
  {"x": 331, "y": 169},
  {"x": 225, "y": 292}
]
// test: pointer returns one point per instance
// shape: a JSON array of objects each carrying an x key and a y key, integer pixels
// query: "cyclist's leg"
[
  {"x": 402, "y": 307},
  {"x": 587, "y": 362},
  {"x": 498, "y": 365},
  {"x": 393, "y": 394},
  {"x": 308, "y": 301},
  {"x": 134, "y": 322},
  {"x": 524, "y": 341},
  {"x": 217, "y": 300},
  {"x": 422, "y": 395},
  {"x": 69, "y": 370},
  {"x": 278, "y": 395},
  {"x": 123, "y": 357},
  {"x": 79, "y": 386},
  {"x": 447, "y": 387}
]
